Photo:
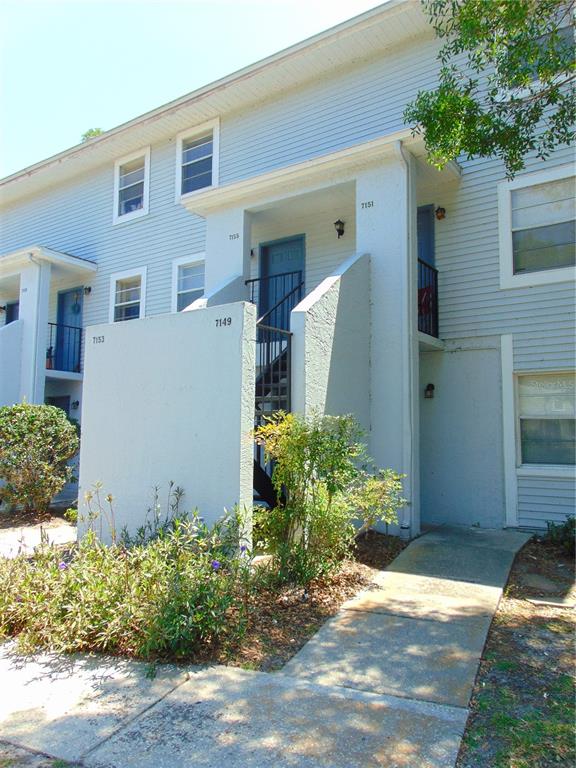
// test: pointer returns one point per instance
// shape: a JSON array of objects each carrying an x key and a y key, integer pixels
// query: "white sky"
[{"x": 70, "y": 65}]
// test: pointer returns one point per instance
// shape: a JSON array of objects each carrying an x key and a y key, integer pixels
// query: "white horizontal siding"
[
  {"x": 471, "y": 303},
  {"x": 545, "y": 499},
  {"x": 77, "y": 218}
]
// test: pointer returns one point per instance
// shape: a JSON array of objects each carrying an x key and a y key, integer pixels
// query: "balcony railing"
[
  {"x": 427, "y": 299},
  {"x": 276, "y": 297},
  {"x": 64, "y": 349}
]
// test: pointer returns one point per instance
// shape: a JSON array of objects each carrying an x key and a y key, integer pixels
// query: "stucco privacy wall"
[
  {"x": 331, "y": 344},
  {"x": 170, "y": 398},
  {"x": 461, "y": 461},
  {"x": 10, "y": 349}
]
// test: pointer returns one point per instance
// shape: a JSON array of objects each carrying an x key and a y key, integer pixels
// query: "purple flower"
[
  {"x": 62, "y": 565},
  {"x": 215, "y": 564},
  {"x": 243, "y": 548}
]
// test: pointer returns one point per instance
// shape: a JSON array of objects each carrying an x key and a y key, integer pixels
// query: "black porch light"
[
  {"x": 429, "y": 391},
  {"x": 339, "y": 227}
]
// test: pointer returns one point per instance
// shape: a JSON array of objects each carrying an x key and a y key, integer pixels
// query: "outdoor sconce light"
[
  {"x": 2, "y": 309},
  {"x": 429, "y": 391},
  {"x": 339, "y": 227},
  {"x": 75, "y": 404},
  {"x": 440, "y": 213},
  {"x": 87, "y": 290}
]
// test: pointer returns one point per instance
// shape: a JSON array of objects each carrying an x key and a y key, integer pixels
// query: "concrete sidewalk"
[{"x": 384, "y": 683}]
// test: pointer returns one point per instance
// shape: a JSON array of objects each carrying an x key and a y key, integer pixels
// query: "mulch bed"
[
  {"x": 281, "y": 622},
  {"x": 522, "y": 708}
]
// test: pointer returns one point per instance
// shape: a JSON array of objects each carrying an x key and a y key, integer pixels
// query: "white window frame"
[
  {"x": 184, "y": 261},
  {"x": 141, "y": 273},
  {"x": 505, "y": 188},
  {"x": 536, "y": 470},
  {"x": 198, "y": 130},
  {"x": 121, "y": 219}
]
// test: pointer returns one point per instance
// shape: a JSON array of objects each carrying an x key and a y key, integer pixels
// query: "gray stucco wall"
[{"x": 461, "y": 465}]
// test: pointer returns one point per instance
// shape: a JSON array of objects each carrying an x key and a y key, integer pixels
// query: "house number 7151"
[{"x": 368, "y": 204}]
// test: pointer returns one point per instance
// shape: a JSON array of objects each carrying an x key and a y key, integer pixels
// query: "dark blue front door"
[
  {"x": 281, "y": 271},
  {"x": 425, "y": 223},
  {"x": 12, "y": 311},
  {"x": 69, "y": 330}
]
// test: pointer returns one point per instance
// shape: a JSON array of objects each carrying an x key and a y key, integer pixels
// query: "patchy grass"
[
  {"x": 17, "y": 757},
  {"x": 522, "y": 709}
]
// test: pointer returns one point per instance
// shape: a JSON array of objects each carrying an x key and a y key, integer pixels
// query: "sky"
[{"x": 70, "y": 65}]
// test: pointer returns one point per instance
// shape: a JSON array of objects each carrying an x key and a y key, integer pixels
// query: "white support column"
[
  {"x": 227, "y": 251},
  {"x": 386, "y": 229},
  {"x": 34, "y": 298}
]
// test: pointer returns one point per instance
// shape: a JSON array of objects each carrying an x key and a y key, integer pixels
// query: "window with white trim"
[
  {"x": 127, "y": 292},
  {"x": 187, "y": 282},
  {"x": 538, "y": 228},
  {"x": 547, "y": 418},
  {"x": 131, "y": 186},
  {"x": 197, "y": 159}
]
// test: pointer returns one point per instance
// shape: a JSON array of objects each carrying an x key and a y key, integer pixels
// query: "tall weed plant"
[
  {"x": 321, "y": 469},
  {"x": 175, "y": 595}
]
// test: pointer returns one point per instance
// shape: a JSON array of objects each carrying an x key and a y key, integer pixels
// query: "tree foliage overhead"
[
  {"x": 507, "y": 81},
  {"x": 91, "y": 133}
]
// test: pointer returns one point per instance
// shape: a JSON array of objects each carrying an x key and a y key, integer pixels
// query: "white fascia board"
[
  {"x": 279, "y": 181},
  {"x": 13, "y": 262},
  {"x": 332, "y": 35}
]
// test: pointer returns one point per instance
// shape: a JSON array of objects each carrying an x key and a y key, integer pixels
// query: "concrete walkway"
[
  {"x": 384, "y": 683},
  {"x": 24, "y": 539}
]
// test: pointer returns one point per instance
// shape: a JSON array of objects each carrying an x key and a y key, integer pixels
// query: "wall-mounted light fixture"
[
  {"x": 429, "y": 391},
  {"x": 87, "y": 290},
  {"x": 75, "y": 404},
  {"x": 440, "y": 213},
  {"x": 339, "y": 227},
  {"x": 3, "y": 309}
]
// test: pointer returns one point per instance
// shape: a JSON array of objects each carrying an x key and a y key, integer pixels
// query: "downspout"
[{"x": 406, "y": 515}]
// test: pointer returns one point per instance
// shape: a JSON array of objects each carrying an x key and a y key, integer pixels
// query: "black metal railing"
[
  {"x": 276, "y": 297},
  {"x": 64, "y": 349},
  {"x": 427, "y": 299},
  {"x": 273, "y": 393}
]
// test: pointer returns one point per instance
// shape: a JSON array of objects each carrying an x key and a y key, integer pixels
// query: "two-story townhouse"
[{"x": 438, "y": 307}]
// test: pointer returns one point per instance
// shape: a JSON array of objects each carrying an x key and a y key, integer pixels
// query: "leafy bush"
[
  {"x": 36, "y": 442},
  {"x": 563, "y": 534},
  {"x": 180, "y": 593},
  {"x": 318, "y": 465}
]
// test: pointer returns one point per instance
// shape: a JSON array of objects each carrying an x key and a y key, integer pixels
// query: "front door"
[
  {"x": 12, "y": 311},
  {"x": 281, "y": 275},
  {"x": 69, "y": 330}
]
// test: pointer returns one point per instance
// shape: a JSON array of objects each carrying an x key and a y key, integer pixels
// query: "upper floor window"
[
  {"x": 546, "y": 415},
  {"x": 538, "y": 228},
  {"x": 127, "y": 295},
  {"x": 197, "y": 159},
  {"x": 131, "y": 186},
  {"x": 187, "y": 282}
]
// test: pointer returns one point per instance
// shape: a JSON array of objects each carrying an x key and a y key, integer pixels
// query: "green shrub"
[
  {"x": 36, "y": 442},
  {"x": 172, "y": 597},
  {"x": 319, "y": 466},
  {"x": 563, "y": 534}
]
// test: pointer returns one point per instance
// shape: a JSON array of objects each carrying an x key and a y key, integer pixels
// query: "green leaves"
[
  {"x": 319, "y": 464},
  {"x": 506, "y": 86},
  {"x": 36, "y": 442}
]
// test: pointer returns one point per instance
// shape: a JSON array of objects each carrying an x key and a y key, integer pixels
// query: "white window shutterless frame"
[{"x": 131, "y": 186}]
